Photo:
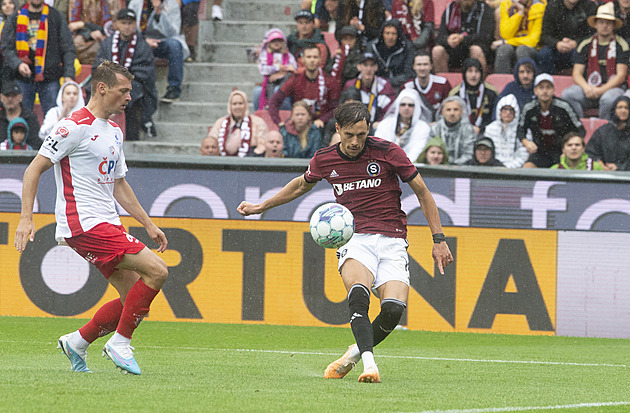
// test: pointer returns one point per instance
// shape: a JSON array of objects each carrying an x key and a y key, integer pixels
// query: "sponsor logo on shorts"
[
  {"x": 373, "y": 169},
  {"x": 361, "y": 184}
]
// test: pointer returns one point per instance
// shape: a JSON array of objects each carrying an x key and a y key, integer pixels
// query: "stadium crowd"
[{"x": 435, "y": 76}]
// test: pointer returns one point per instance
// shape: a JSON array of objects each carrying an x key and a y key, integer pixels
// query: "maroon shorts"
[{"x": 105, "y": 245}]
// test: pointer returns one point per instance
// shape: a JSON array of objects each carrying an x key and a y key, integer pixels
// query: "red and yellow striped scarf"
[{"x": 22, "y": 37}]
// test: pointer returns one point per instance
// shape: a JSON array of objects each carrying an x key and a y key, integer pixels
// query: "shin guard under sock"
[
  {"x": 104, "y": 321},
  {"x": 137, "y": 305},
  {"x": 359, "y": 302},
  {"x": 391, "y": 311}
]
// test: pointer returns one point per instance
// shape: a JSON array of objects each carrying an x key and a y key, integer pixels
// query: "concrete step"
[
  {"x": 221, "y": 72},
  {"x": 247, "y": 30},
  {"x": 215, "y": 92},
  {"x": 258, "y": 10},
  {"x": 225, "y": 52},
  {"x": 161, "y": 147},
  {"x": 195, "y": 112},
  {"x": 184, "y": 132}
]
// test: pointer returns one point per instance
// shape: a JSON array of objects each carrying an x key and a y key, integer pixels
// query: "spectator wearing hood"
[
  {"x": 610, "y": 143},
  {"x": 11, "y": 107},
  {"x": 573, "y": 155},
  {"x": 478, "y": 95},
  {"x": 16, "y": 136},
  {"x": 466, "y": 30},
  {"x": 417, "y": 18},
  {"x": 483, "y": 154},
  {"x": 305, "y": 35},
  {"x": 522, "y": 87},
  {"x": 394, "y": 54},
  {"x": 455, "y": 130},
  {"x": 343, "y": 65},
  {"x": 275, "y": 64},
  {"x": 601, "y": 66},
  {"x": 376, "y": 92},
  {"x": 520, "y": 26},
  {"x": 508, "y": 149},
  {"x": 404, "y": 127},
  {"x": 69, "y": 99},
  {"x": 366, "y": 15},
  {"x": 434, "y": 152}
]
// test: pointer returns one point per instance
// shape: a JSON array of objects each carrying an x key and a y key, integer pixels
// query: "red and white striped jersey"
[{"x": 87, "y": 155}]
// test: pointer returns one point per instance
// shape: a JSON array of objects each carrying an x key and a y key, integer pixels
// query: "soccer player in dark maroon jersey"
[{"x": 364, "y": 173}]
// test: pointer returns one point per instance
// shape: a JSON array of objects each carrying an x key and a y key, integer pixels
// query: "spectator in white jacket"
[
  {"x": 69, "y": 99},
  {"x": 508, "y": 149}
]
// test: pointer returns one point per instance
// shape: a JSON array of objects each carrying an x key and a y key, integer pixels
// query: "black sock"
[
  {"x": 359, "y": 302},
  {"x": 391, "y": 311}
]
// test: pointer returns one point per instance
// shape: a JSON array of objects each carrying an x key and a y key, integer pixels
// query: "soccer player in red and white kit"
[
  {"x": 86, "y": 152},
  {"x": 364, "y": 172}
]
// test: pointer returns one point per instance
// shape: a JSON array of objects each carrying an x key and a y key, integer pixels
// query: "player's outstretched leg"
[
  {"x": 75, "y": 345},
  {"x": 359, "y": 302},
  {"x": 342, "y": 366},
  {"x": 391, "y": 311}
]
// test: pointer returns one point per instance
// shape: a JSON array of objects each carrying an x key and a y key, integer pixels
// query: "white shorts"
[{"x": 385, "y": 257}]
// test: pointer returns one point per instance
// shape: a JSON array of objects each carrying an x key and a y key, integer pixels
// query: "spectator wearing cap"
[
  {"x": 433, "y": 89},
  {"x": 343, "y": 66},
  {"x": 483, "y": 154},
  {"x": 305, "y": 34},
  {"x": 466, "y": 30},
  {"x": 417, "y": 18},
  {"x": 38, "y": 69},
  {"x": 11, "y": 108},
  {"x": 318, "y": 89},
  {"x": 275, "y": 64},
  {"x": 127, "y": 47},
  {"x": 543, "y": 123},
  {"x": 601, "y": 66},
  {"x": 367, "y": 16},
  {"x": 479, "y": 95},
  {"x": 16, "y": 136},
  {"x": 164, "y": 36},
  {"x": 394, "y": 54},
  {"x": 564, "y": 27},
  {"x": 376, "y": 92}
]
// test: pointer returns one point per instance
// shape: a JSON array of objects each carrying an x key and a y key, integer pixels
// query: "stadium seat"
[
  {"x": 37, "y": 110},
  {"x": 453, "y": 78},
  {"x": 499, "y": 80},
  {"x": 264, "y": 114},
  {"x": 561, "y": 83},
  {"x": 86, "y": 72},
  {"x": 331, "y": 42},
  {"x": 591, "y": 124}
]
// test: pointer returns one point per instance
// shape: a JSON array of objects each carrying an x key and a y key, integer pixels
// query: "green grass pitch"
[{"x": 194, "y": 367}]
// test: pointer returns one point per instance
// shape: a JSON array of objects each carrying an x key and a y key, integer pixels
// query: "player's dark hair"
[
  {"x": 350, "y": 113},
  {"x": 568, "y": 136},
  {"x": 106, "y": 72}
]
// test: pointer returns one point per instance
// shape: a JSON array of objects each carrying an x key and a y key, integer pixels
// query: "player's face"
[
  {"x": 210, "y": 147},
  {"x": 435, "y": 156},
  {"x": 483, "y": 154},
  {"x": 507, "y": 114},
  {"x": 526, "y": 75},
  {"x": 274, "y": 145},
  {"x": 422, "y": 66},
  {"x": 622, "y": 111},
  {"x": 390, "y": 35},
  {"x": 301, "y": 118},
  {"x": 305, "y": 27},
  {"x": 452, "y": 112},
  {"x": 237, "y": 107},
  {"x": 604, "y": 27},
  {"x": 70, "y": 95},
  {"x": 118, "y": 96},
  {"x": 310, "y": 58},
  {"x": 574, "y": 148},
  {"x": 7, "y": 7},
  {"x": 126, "y": 27},
  {"x": 368, "y": 70},
  {"x": 473, "y": 76},
  {"x": 352, "y": 138},
  {"x": 544, "y": 91},
  {"x": 406, "y": 107}
]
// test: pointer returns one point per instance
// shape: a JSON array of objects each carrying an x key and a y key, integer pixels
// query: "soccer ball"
[{"x": 332, "y": 225}]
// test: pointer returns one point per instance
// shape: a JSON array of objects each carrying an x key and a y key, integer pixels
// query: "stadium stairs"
[{"x": 222, "y": 65}]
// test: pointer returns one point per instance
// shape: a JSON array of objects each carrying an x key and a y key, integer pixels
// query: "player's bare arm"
[
  {"x": 441, "y": 253},
  {"x": 127, "y": 199},
  {"x": 26, "y": 228},
  {"x": 294, "y": 189}
]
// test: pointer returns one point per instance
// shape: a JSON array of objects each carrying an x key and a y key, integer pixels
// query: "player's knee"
[
  {"x": 359, "y": 299},
  {"x": 391, "y": 312},
  {"x": 159, "y": 271}
]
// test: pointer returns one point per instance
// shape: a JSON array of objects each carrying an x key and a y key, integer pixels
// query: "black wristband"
[{"x": 439, "y": 237}]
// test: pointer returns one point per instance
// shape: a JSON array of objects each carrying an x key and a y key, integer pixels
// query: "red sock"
[
  {"x": 104, "y": 321},
  {"x": 137, "y": 304}
]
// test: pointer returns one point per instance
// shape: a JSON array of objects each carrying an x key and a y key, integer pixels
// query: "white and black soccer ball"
[{"x": 332, "y": 225}]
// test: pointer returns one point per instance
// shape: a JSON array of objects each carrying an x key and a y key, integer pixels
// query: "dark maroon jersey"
[{"x": 368, "y": 184}]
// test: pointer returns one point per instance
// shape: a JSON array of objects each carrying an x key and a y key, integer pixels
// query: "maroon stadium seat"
[
  {"x": 591, "y": 124},
  {"x": 499, "y": 80}
]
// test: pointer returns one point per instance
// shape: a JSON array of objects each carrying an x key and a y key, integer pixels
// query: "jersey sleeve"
[
  {"x": 400, "y": 162},
  {"x": 313, "y": 174},
  {"x": 61, "y": 141}
]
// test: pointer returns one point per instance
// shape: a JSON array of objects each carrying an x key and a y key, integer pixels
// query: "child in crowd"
[
  {"x": 16, "y": 136},
  {"x": 275, "y": 63},
  {"x": 434, "y": 153}
]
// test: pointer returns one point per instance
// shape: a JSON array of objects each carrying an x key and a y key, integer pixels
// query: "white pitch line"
[
  {"x": 317, "y": 353},
  {"x": 529, "y": 408}
]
